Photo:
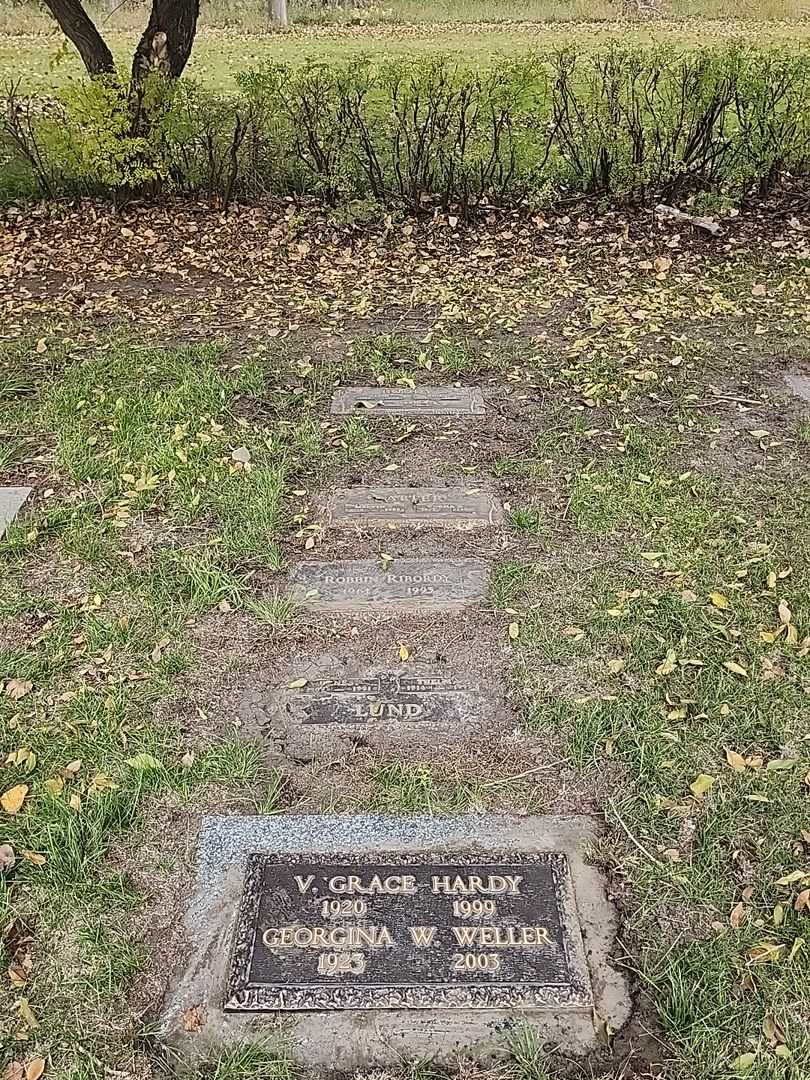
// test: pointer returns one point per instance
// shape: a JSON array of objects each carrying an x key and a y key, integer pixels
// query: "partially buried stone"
[
  {"x": 404, "y": 401},
  {"x": 436, "y": 507},
  {"x": 11, "y": 499},
  {"x": 410, "y": 584}
]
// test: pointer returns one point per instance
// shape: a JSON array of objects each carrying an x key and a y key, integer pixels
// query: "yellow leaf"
[
  {"x": 616, "y": 666},
  {"x": 404, "y": 652},
  {"x": 766, "y": 952},
  {"x": 744, "y": 1062},
  {"x": 75, "y": 802},
  {"x": 719, "y": 600},
  {"x": 735, "y": 760},
  {"x": 26, "y": 1014},
  {"x": 296, "y": 684},
  {"x": 793, "y": 877},
  {"x": 785, "y": 614},
  {"x": 738, "y": 669},
  {"x": 514, "y": 631},
  {"x": 12, "y": 800},
  {"x": 701, "y": 784},
  {"x": 34, "y": 857},
  {"x": 667, "y": 665}
]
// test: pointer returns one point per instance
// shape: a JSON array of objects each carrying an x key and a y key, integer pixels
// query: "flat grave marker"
[
  {"x": 403, "y": 931},
  {"x": 383, "y": 698},
  {"x": 387, "y": 938},
  {"x": 799, "y": 385},
  {"x": 404, "y": 401},
  {"x": 391, "y": 507},
  {"x": 405, "y": 584},
  {"x": 11, "y": 499}
]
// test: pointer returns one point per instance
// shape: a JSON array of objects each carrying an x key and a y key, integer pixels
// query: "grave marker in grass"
[
  {"x": 382, "y": 938},
  {"x": 430, "y": 507},
  {"x": 11, "y": 499},
  {"x": 403, "y": 401}
]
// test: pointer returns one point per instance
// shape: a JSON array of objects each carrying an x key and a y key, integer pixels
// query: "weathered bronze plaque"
[
  {"x": 368, "y": 585},
  {"x": 407, "y": 931},
  {"x": 385, "y": 698},
  {"x": 403, "y": 401},
  {"x": 387, "y": 507}
]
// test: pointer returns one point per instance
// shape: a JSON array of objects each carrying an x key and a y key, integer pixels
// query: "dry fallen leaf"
[
  {"x": 735, "y": 760},
  {"x": 404, "y": 652},
  {"x": 514, "y": 631},
  {"x": 18, "y": 688},
  {"x": 296, "y": 684},
  {"x": 193, "y": 1018},
  {"x": 738, "y": 916},
  {"x": 12, "y": 800},
  {"x": 35, "y": 1068},
  {"x": 738, "y": 669},
  {"x": 7, "y": 858},
  {"x": 719, "y": 600}
]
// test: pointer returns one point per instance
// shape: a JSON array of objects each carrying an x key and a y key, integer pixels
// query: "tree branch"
[{"x": 79, "y": 28}]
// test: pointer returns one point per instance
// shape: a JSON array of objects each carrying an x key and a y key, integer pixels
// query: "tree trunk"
[
  {"x": 78, "y": 27},
  {"x": 165, "y": 45},
  {"x": 278, "y": 12}
]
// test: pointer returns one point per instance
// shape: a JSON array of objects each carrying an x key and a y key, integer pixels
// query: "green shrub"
[{"x": 636, "y": 123}]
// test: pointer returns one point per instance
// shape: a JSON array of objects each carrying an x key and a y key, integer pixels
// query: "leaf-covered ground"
[{"x": 164, "y": 383}]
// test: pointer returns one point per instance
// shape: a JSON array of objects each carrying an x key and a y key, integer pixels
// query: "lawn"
[
  {"x": 647, "y": 624},
  {"x": 41, "y": 61}
]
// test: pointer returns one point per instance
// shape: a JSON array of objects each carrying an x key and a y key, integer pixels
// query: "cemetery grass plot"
[{"x": 667, "y": 651}]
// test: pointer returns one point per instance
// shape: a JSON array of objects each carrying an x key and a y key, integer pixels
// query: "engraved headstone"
[
  {"x": 11, "y": 499},
  {"x": 389, "y": 507},
  {"x": 410, "y": 584},
  {"x": 404, "y": 401},
  {"x": 384, "y": 938},
  {"x": 403, "y": 931}
]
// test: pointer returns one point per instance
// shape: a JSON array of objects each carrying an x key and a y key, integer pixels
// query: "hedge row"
[{"x": 630, "y": 123}]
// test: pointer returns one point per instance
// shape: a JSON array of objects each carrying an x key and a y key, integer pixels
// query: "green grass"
[
  {"x": 32, "y": 50},
  {"x": 694, "y": 587}
]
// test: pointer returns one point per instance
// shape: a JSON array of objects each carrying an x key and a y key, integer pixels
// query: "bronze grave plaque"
[
  {"x": 407, "y": 931},
  {"x": 387, "y": 698}
]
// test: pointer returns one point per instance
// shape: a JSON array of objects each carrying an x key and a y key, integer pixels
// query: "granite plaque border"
[{"x": 244, "y": 995}]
